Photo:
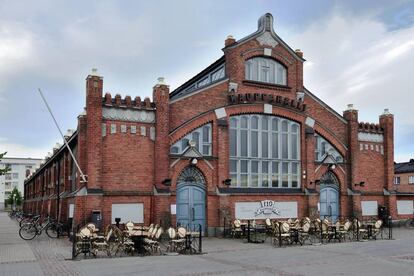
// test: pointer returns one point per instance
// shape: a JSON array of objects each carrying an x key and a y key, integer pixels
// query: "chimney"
[
  {"x": 299, "y": 52},
  {"x": 229, "y": 41}
]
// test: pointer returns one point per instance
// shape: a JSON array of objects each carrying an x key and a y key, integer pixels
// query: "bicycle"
[
  {"x": 30, "y": 230},
  {"x": 409, "y": 223}
]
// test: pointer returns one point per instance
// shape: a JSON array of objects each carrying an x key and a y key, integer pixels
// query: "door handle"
[{"x": 193, "y": 213}]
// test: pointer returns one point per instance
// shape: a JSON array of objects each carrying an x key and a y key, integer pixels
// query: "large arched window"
[
  {"x": 264, "y": 152},
  {"x": 265, "y": 70}
]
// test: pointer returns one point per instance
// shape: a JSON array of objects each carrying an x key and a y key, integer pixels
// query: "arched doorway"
[
  {"x": 191, "y": 199},
  {"x": 329, "y": 197}
]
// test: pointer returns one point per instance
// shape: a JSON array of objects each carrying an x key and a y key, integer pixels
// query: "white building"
[{"x": 20, "y": 168}]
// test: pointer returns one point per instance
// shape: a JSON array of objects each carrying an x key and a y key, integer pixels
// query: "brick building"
[
  {"x": 404, "y": 187},
  {"x": 243, "y": 138}
]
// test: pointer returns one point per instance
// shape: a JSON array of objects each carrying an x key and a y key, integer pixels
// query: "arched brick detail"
[
  {"x": 340, "y": 175},
  {"x": 331, "y": 139},
  {"x": 189, "y": 126},
  {"x": 205, "y": 170},
  {"x": 233, "y": 110}
]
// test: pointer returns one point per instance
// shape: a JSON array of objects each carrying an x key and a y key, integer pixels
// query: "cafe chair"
[
  {"x": 129, "y": 226},
  {"x": 344, "y": 231},
  {"x": 304, "y": 233},
  {"x": 152, "y": 244},
  {"x": 236, "y": 231},
  {"x": 102, "y": 244},
  {"x": 177, "y": 239},
  {"x": 359, "y": 230},
  {"x": 377, "y": 228}
]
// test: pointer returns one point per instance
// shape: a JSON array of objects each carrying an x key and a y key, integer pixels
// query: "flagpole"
[{"x": 63, "y": 137}]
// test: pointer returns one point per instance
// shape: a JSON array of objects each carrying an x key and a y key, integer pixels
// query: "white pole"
[{"x": 63, "y": 137}]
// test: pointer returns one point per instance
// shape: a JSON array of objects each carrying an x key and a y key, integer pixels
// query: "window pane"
[
  {"x": 275, "y": 180},
  {"x": 255, "y": 180},
  {"x": 265, "y": 180},
  {"x": 284, "y": 126},
  {"x": 275, "y": 125},
  {"x": 285, "y": 174},
  {"x": 264, "y": 123},
  {"x": 284, "y": 145},
  {"x": 233, "y": 177},
  {"x": 244, "y": 122},
  {"x": 243, "y": 180},
  {"x": 243, "y": 143},
  {"x": 255, "y": 166},
  {"x": 174, "y": 149},
  {"x": 196, "y": 139},
  {"x": 254, "y": 122},
  {"x": 244, "y": 166},
  {"x": 206, "y": 134},
  {"x": 265, "y": 146},
  {"x": 254, "y": 144},
  {"x": 294, "y": 181},
  {"x": 233, "y": 142},
  {"x": 233, "y": 122},
  {"x": 206, "y": 149},
  {"x": 294, "y": 128},
  {"x": 184, "y": 143},
  {"x": 233, "y": 166},
  {"x": 265, "y": 167},
  {"x": 294, "y": 146},
  {"x": 275, "y": 145}
]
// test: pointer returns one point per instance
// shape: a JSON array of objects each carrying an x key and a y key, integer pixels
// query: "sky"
[{"x": 359, "y": 52}]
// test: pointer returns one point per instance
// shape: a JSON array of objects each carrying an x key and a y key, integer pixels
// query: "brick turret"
[
  {"x": 162, "y": 146},
  {"x": 94, "y": 87}
]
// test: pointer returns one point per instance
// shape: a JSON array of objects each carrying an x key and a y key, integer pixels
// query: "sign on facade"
[
  {"x": 266, "y": 209},
  {"x": 128, "y": 212},
  {"x": 405, "y": 207},
  {"x": 369, "y": 208}
]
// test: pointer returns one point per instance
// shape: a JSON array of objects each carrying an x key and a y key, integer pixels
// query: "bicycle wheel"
[
  {"x": 52, "y": 230},
  {"x": 409, "y": 223},
  {"x": 28, "y": 232}
]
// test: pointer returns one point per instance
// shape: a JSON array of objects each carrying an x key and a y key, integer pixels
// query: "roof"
[
  {"x": 405, "y": 167},
  {"x": 180, "y": 91},
  {"x": 265, "y": 24}
]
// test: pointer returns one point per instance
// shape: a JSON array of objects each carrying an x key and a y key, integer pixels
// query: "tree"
[
  {"x": 17, "y": 197},
  {"x": 6, "y": 169}
]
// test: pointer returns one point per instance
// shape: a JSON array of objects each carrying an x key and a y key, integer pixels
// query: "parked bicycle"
[
  {"x": 409, "y": 223},
  {"x": 30, "y": 230}
]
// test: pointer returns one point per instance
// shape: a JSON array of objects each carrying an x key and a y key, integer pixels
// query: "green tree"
[
  {"x": 6, "y": 169},
  {"x": 15, "y": 196}
]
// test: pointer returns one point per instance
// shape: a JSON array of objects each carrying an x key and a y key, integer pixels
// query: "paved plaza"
[{"x": 44, "y": 256}]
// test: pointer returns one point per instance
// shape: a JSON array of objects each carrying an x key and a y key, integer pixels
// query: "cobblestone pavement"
[{"x": 44, "y": 256}]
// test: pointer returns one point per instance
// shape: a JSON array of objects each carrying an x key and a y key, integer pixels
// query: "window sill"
[
  {"x": 238, "y": 190},
  {"x": 267, "y": 85}
]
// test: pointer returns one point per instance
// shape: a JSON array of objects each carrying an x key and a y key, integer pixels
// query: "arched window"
[
  {"x": 324, "y": 148},
  {"x": 191, "y": 175},
  {"x": 265, "y": 70},
  {"x": 200, "y": 136},
  {"x": 264, "y": 152}
]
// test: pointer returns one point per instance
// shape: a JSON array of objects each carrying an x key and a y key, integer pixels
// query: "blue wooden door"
[
  {"x": 191, "y": 206},
  {"x": 328, "y": 203}
]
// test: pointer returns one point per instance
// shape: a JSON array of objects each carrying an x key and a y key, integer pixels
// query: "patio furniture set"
[{"x": 305, "y": 230}]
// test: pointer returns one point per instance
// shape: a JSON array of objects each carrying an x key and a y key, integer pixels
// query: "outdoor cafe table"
[{"x": 137, "y": 236}]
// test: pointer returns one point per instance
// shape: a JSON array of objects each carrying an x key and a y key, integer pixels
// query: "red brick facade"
[{"x": 127, "y": 166}]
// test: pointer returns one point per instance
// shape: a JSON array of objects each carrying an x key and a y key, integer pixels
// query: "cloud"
[
  {"x": 22, "y": 151},
  {"x": 358, "y": 60}
]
